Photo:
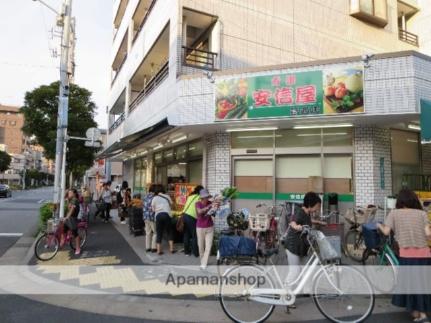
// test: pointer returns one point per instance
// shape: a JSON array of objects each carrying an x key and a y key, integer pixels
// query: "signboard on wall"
[
  {"x": 425, "y": 121},
  {"x": 328, "y": 92},
  {"x": 182, "y": 191}
]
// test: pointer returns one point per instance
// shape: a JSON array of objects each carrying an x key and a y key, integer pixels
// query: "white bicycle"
[{"x": 342, "y": 294}]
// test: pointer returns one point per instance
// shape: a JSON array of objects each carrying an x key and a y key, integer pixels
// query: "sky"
[{"x": 25, "y": 49}]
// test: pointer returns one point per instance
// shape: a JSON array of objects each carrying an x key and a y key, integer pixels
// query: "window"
[
  {"x": 405, "y": 157},
  {"x": 12, "y": 123},
  {"x": 252, "y": 139},
  {"x": 371, "y": 11},
  {"x": 298, "y": 138}
]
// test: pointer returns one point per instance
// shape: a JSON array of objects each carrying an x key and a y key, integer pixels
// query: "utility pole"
[{"x": 62, "y": 119}]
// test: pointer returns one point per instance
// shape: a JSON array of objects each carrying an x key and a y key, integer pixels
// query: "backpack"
[{"x": 119, "y": 197}]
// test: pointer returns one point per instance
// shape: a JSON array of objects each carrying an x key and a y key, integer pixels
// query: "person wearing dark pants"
[
  {"x": 106, "y": 197},
  {"x": 161, "y": 205},
  {"x": 189, "y": 213},
  {"x": 190, "y": 238},
  {"x": 163, "y": 224}
]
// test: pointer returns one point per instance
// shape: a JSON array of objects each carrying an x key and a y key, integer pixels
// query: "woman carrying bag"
[{"x": 189, "y": 217}]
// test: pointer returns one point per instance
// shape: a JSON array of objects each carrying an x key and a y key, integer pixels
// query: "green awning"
[{"x": 425, "y": 121}]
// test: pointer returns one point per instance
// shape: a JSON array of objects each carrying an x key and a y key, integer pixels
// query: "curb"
[{"x": 15, "y": 255}]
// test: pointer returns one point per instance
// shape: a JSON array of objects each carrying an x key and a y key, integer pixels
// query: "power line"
[{"x": 28, "y": 65}]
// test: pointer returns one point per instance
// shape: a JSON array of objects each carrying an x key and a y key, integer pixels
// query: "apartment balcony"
[
  {"x": 370, "y": 11},
  {"x": 119, "y": 60},
  {"x": 197, "y": 58},
  {"x": 408, "y": 37},
  {"x": 140, "y": 16},
  {"x": 150, "y": 86},
  {"x": 152, "y": 71},
  {"x": 117, "y": 113},
  {"x": 117, "y": 122},
  {"x": 120, "y": 7},
  {"x": 201, "y": 41}
]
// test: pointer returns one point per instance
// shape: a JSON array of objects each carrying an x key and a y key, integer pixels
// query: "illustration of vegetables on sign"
[
  {"x": 343, "y": 91},
  {"x": 231, "y": 99}
]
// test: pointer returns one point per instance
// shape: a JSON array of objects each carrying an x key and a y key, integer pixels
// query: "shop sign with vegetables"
[{"x": 290, "y": 95}]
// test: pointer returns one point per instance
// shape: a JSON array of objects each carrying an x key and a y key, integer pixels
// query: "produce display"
[
  {"x": 230, "y": 193},
  {"x": 231, "y": 100},
  {"x": 344, "y": 91}
]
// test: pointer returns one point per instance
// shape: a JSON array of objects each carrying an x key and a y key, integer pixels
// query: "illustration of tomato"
[{"x": 223, "y": 107}]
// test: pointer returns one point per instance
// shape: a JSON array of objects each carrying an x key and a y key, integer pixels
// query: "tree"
[
  {"x": 40, "y": 114},
  {"x": 5, "y": 161}
]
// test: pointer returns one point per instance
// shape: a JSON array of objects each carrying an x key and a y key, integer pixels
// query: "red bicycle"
[{"x": 48, "y": 244}]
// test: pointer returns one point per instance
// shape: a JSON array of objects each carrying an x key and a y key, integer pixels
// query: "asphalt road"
[{"x": 19, "y": 215}]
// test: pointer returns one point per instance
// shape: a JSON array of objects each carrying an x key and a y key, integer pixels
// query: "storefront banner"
[
  {"x": 328, "y": 92},
  {"x": 182, "y": 191},
  {"x": 425, "y": 121}
]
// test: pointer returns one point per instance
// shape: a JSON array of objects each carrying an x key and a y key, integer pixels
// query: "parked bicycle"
[
  {"x": 255, "y": 299},
  {"x": 353, "y": 243},
  {"x": 48, "y": 244},
  {"x": 379, "y": 253}
]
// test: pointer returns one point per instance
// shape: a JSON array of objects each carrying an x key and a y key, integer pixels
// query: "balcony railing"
[
  {"x": 144, "y": 20},
  {"x": 117, "y": 123},
  {"x": 199, "y": 58},
  {"x": 149, "y": 86},
  {"x": 408, "y": 37},
  {"x": 118, "y": 70}
]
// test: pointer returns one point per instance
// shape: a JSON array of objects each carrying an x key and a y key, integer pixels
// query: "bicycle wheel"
[
  {"x": 354, "y": 245},
  {"x": 46, "y": 247},
  {"x": 82, "y": 232},
  {"x": 235, "y": 300},
  {"x": 343, "y": 294},
  {"x": 381, "y": 269}
]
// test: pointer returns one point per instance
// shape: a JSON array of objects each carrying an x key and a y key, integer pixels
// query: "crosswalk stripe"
[{"x": 7, "y": 234}]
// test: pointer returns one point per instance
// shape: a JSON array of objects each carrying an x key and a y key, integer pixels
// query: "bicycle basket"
[
  {"x": 259, "y": 222},
  {"x": 371, "y": 235},
  {"x": 50, "y": 225},
  {"x": 326, "y": 249}
]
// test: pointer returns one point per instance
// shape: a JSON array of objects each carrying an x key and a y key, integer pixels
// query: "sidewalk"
[
  {"x": 138, "y": 246},
  {"x": 105, "y": 246}
]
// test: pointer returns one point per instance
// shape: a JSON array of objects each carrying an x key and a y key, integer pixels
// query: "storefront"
[
  {"x": 341, "y": 126},
  {"x": 282, "y": 165}
]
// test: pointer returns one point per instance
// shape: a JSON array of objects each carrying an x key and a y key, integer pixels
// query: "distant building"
[{"x": 24, "y": 155}]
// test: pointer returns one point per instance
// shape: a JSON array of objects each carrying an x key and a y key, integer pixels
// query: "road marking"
[
  {"x": 10, "y": 234},
  {"x": 41, "y": 201}
]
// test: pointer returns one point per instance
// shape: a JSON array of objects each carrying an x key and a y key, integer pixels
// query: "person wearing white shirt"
[{"x": 161, "y": 205}]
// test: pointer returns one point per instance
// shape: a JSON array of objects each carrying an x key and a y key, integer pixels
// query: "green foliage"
[
  {"x": 230, "y": 193},
  {"x": 5, "y": 161},
  {"x": 40, "y": 112},
  {"x": 45, "y": 213}
]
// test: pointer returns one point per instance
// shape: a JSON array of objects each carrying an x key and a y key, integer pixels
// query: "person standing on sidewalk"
[
  {"x": 189, "y": 214},
  {"x": 150, "y": 224},
  {"x": 70, "y": 222},
  {"x": 106, "y": 197},
  {"x": 161, "y": 205},
  {"x": 205, "y": 211},
  {"x": 123, "y": 198},
  {"x": 296, "y": 247},
  {"x": 412, "y": 230}
]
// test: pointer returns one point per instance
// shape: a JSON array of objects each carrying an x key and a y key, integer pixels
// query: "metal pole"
[
  {"x": 63, "y": 180},
  {"x": 62, "y": 118}
]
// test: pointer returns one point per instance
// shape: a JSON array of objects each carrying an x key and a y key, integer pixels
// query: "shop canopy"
[
  {"x": 426, "y": 121},
  {"x": 135, "y": 139}
]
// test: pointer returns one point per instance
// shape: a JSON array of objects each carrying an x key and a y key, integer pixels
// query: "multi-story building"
[
  {"x": 17, "y": 145},
  {"x": 11, "y": 137},
  {"x": 272, "y": 97}
]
